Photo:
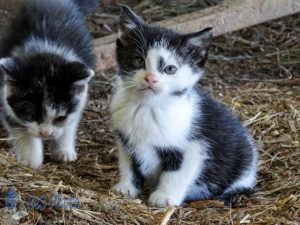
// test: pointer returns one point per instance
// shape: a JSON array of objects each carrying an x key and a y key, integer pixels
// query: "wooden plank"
[{"x": 229, "y": 16}]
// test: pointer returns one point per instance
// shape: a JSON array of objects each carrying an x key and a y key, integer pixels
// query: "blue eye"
[
  {"x": 138, "y": 62},
  {"x": 170, "y": 69}
]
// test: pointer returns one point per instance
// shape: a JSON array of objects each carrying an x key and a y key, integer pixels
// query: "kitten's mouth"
[
  {"x": 44, "y": 138},
  {"x": 148, "y": 89}
]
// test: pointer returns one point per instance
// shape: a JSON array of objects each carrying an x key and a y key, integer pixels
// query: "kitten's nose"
[
  {"x": 45, "y": 134},
  {"x": 150, "y": 79}
]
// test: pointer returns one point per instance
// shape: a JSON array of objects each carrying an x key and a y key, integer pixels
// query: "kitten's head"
[
  {"x": 157, "y": 62},
  {"x": 43, "y": 92}
]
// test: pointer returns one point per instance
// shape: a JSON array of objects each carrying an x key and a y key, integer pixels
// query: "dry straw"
[{"x": 255, "y": 72}]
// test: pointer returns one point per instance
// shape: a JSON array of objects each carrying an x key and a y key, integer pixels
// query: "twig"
[{"x": 167, "y": 216}]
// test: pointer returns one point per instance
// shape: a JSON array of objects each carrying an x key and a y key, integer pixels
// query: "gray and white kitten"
[
  {"x": 172, "y": 135},
  {"x": 46, "y": 64}
]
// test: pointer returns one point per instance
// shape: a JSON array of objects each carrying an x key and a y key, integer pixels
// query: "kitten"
[
  {"x": 172, "y": 135},
  {"x": 47, "y": 62}
]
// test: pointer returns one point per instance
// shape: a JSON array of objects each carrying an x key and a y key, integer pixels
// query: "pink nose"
[
  {"x": 45, "y": 134},
  {"x": 150, "y": 79}
]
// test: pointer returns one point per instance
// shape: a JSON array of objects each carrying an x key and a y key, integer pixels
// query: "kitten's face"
[
  {"x": 155, "y": 62},
  {"x": 44, "y": 92}
]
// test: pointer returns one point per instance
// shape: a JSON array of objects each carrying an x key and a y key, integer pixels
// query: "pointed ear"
[
  {"x": 78, "y": 75},
  {"x": 198, "y": 44},
  {"x": 78, "y": 72},
  {"x": 128, "y": 21},
  {"x": 201, "y": 39},
  {"x": 9, "y": 65}
]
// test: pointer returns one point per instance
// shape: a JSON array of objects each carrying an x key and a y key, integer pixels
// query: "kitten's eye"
[
  {"x": 59, "y": 119},
  {"x": 24, "y": 110},
  {"x": 170, "y": 69},
  {"x": 138, "y": 62}
]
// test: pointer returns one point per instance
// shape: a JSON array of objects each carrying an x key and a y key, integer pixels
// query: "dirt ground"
[{"x": 255, "y": 72}]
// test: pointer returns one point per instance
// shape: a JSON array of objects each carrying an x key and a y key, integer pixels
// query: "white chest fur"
[{"x": 164, "y": 124}]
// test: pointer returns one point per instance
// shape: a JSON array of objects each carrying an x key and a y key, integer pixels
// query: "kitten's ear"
[
  {"x": 79, "y": 76},
  {"x": 128, "y": 21},
  {"x": 200, "y": 41},
  {"x": 78, "y": 72},
  {"x": 10, "y": 65}
]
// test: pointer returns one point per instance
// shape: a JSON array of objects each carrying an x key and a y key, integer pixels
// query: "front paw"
[
  {"x": 33, "y": 161},
  {"x": 126, "y": 188},
  {"x": 64, "y": 155},
  {"x": 163, "y": 198}
]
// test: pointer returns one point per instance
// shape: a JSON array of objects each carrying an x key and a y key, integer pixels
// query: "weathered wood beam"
[{"x": 229, "y": 16}]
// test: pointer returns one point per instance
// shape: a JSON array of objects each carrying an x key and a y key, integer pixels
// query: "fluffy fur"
[
  {"x": 47, "y": 62},
  {"x": 171, "y": 134}
]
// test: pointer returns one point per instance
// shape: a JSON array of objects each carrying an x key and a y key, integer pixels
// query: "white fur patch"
[
  {"x": 165, "y": 124},
  {"x": 173, "y": 186},
  {"x": 125, "y": 184},
  {"x": 63, "y": 146},
  {"x": 36, "y": 45},
  {"x": 28, "y": 149},
  {"x": 248, "y": 178},
  {"x": 6, "y": 91},
  {"x": 184, "y": 78},
  {"x": 6, "y": 62}
]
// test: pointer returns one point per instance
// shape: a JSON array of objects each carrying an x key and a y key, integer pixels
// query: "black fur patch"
[
  {"x": 171, "y": 158},
  {"x": 138, "y": 179},
  {"x": 161, "y": 64},
  {"x": 230, "y": 152},
  {"x": 179, "y": 93},
  {"x": 230, "y": 198},
  {"x": 124, "y": 140}
]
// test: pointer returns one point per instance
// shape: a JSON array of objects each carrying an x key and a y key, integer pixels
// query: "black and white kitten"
[
  {"x": 171, "y": 133},
  {"x": 47, "y": 62}
]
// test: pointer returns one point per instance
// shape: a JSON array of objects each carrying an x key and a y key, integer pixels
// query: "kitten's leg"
[
  {"x": 64, "y": 147},
  {"x": 179, "y": 171},
  {"x": 28, "y": 149},
  {"x": 242, "y": 186},
  {"x": 130, "y": 178}
]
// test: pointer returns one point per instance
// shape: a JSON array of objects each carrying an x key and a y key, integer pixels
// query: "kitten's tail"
[
  {"x": 230, "y": 198},
  {"x": 87, "y": 6}
]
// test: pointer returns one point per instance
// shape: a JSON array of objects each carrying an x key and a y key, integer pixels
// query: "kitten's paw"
[
  {"x": 126, "y": 188},
  {"x": 64, "y": 155},
  {"x": 29, "y": 160},
  {"x": 162, "y": 198}
]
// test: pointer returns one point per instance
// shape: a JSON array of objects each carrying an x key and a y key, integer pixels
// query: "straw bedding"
[{"x": 255, "y": 72}]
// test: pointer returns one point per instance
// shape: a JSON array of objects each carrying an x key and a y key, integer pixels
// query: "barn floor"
[{"x": 255, "y": 72}]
